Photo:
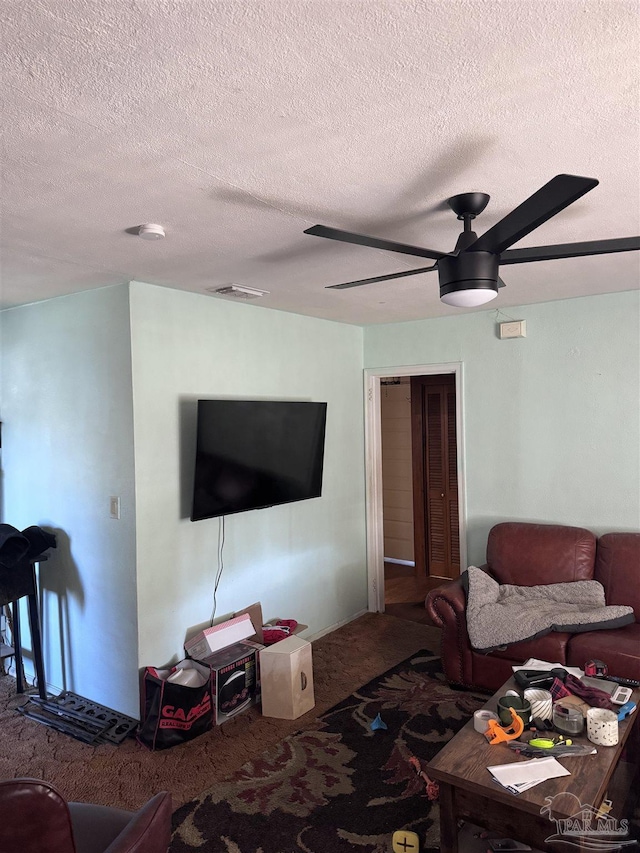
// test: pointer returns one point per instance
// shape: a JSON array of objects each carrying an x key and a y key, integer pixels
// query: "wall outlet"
[
  {"x": 114, "y": 506},
  {"x": 514, "y": 329}
]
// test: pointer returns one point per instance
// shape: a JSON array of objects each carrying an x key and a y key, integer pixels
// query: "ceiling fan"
[{"x": 469, "y": 275}]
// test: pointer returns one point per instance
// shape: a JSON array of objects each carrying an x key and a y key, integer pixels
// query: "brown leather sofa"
[{"x": 530, "y": 554}]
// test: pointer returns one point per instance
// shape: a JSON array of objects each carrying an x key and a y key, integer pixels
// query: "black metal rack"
[
  {"x": 69, "y": 713},
  {"x": 16, "y": 583},
  {"x": 80, "y": 718}
]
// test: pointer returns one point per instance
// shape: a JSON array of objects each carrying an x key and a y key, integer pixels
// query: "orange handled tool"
[{"x": 496, "y": 734}]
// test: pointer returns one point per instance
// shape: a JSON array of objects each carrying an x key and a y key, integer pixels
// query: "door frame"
[{"x": 373, "y": 468}]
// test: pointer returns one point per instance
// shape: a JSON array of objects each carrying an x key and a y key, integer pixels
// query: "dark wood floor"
[{"x": 404, "y": 594}]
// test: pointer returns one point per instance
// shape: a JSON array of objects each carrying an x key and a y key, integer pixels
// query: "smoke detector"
[
  {"x": 151, "y": 232},
  {"x": 238, "y": 291}
]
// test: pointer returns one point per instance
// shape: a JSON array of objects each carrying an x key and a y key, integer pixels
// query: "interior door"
[{"x": 435, "y": 477}]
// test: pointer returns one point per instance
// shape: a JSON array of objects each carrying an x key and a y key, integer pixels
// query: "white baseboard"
[
  {"x": 30, "y": 678},
  {"x": 333, "y": 627}
]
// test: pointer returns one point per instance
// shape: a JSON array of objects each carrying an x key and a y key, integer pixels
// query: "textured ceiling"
[{"x": 236, "y": 125}]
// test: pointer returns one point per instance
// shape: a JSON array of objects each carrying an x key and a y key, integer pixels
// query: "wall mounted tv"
[{"x": 252, "y": 454}]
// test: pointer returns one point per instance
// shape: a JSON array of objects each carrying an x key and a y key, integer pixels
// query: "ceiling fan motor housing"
[{"x": 468, "y": 271}]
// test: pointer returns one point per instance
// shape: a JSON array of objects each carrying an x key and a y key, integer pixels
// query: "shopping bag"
[{"x": 176, "y": 704}]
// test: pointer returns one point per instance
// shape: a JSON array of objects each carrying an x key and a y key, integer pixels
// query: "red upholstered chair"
[{"x": 35, "y": 818}]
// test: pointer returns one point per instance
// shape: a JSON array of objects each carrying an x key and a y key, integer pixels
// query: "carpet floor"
[
  {"x": 127, "y": 775},
  {"x": 340, "y": 785}
]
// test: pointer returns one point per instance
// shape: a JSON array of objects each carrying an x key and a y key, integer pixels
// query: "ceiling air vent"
[{"x": 238, "y": 291}]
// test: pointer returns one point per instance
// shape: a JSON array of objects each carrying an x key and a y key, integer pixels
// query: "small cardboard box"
[
  {"x": 219, "y": 637},
  {"x": 286, "y": 676},
  {"x": 235, "y": 679}
]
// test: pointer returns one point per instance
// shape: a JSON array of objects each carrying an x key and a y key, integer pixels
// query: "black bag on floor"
[{"x": 176, "y": 704}]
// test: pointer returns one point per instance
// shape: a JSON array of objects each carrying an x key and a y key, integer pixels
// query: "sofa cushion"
[
  {"x": 619, "y": 649},
  {"x": 551, "y": 647},
  {"x": 529, "y": 554},
  {"x": 618, "y": 569}
]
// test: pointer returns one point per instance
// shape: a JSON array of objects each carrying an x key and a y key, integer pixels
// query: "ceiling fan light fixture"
[
  {"x": 468, "y": 279},
  {"x": 463, "y": 296}
]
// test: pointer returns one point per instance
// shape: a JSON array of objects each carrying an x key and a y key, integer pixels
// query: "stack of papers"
[{"x": 522, "y": 775}]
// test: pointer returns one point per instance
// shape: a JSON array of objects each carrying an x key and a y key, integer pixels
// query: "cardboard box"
[
  {"x": 235, "y": 679},
  {"x": 219, "y": 637},
  {"x": 286, "y": 672},
  {"x": 254, "y": 611}
]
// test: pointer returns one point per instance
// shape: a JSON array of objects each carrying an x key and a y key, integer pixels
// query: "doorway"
[
  {"x": 404, "y": 585},
  {"x": 439, "y": 396}
]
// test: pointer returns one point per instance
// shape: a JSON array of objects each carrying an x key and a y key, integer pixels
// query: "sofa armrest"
[{"x": 446, "y": 605}]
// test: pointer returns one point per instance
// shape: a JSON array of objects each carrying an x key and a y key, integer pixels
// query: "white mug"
[{"x": 602, "y": 727}]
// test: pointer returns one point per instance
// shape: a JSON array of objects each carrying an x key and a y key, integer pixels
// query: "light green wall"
[
  {"x": 304, "y": 560},
  {"x": 552, "y": 433},
  {"x": 551, "y": 421},
  {"x": 67, "y": 446}
]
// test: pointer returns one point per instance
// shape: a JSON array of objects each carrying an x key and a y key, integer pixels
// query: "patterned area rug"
[{"x": 340, "y": 786}]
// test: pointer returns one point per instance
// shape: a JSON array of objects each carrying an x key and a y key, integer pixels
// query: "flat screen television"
[{"x": 252, "y": 454}]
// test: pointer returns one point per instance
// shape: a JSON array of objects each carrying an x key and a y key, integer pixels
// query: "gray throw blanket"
[{"x": 500, "y": 614}]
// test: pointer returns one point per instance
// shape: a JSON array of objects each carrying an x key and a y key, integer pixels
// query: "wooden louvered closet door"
[{"x": 435, "y": 477}]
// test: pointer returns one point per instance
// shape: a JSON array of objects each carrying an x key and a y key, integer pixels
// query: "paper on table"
[
  {"x": 534, "y": 663},
  {"x": 522, "y": 775}
]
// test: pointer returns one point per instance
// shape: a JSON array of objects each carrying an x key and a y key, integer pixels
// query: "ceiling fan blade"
[
  {"x": 373, "y": 242},
  {"x": 501, "y": 282},
  {"x": 402, "y": 274},
  {"x": 550, "y": 199},
  {"x": 570, "y": 250}
]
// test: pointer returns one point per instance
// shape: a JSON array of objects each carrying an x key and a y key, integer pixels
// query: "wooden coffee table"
[{"x": 468, "y": 792}]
